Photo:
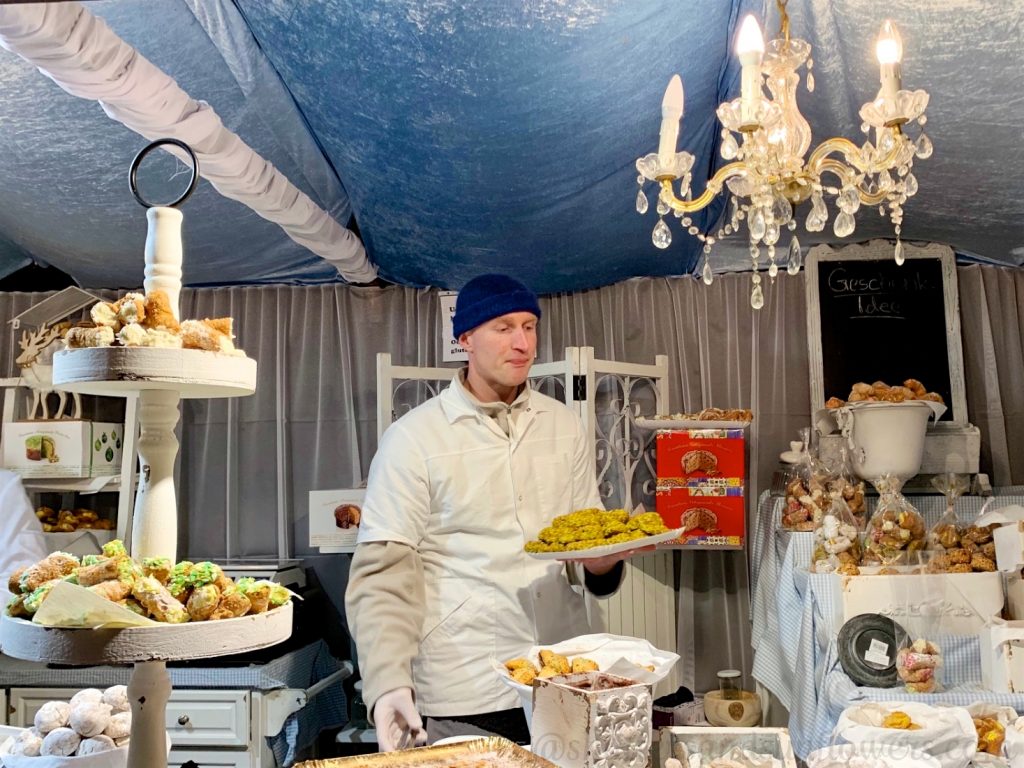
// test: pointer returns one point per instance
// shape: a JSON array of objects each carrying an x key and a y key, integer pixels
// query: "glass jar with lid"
[{"x": 730, "y": 684}]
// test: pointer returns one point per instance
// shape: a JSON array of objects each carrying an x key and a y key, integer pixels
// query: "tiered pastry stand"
[{"x": 161, "y": 377}]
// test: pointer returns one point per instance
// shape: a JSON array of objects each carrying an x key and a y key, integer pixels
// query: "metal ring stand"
[{"x": 133, "y": 171}]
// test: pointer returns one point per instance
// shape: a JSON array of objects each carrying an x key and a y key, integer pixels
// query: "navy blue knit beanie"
[{"x": 489, "y": 296}]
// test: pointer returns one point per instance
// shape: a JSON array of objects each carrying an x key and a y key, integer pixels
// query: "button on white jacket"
[{"x": 447, "y": 481}]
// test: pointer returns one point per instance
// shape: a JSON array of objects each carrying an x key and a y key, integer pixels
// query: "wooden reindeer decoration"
[{"x": 36, "y": 363}]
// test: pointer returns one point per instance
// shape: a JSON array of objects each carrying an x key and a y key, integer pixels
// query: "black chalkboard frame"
[{"x": 882, "y": 250}]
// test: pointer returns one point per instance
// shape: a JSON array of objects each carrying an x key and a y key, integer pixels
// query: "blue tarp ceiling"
[{"x": 468, "y": 136}]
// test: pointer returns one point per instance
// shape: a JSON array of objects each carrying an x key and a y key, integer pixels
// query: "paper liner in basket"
[
  {"x": 946, "y": 733},
  {"x": 617, "y": 655},
  {"x": 72, "y": 606}
]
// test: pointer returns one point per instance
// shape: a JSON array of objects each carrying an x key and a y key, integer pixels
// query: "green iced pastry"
[
  {"x": 157, "y": 567},
  {"x": 178, "y": 582},
  {"x": 71, "y": 578},
  {"x": 89, "y": 560},
  {"x": 278, "y": 595},
  {"x": 114, "y": 548},
  {"x": 35, "y": 599},
  {"x": 128, "y": 570},
  {"x": 203, "y": 573}
]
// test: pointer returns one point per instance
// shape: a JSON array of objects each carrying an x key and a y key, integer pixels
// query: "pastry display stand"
[{"x": 161, "y": 377}]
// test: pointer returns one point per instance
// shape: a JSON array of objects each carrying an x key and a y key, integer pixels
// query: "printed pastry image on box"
[
  {"x": 707, "y": 520},
  {"x": 700, "y": 453},
  {"x": 334, "y": 518},
  {"x": 62, "y": 448}
]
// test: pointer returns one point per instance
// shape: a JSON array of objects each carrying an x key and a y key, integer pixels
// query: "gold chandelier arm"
[
  {"x": 852, "y": 154},
  {"x": 712, "y": 189},
  {"x": 842, "y": 171}
]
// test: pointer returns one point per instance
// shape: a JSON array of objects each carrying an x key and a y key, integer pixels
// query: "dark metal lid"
[{"x": 867, "y": 647}]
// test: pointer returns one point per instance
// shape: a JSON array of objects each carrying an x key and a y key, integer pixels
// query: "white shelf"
[
  {"x": 76, "y": 484},
  {"x": 169, "y": 642},
  {"x": 121, "y": 371}
]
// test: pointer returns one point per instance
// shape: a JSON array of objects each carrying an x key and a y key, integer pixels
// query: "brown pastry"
[
  {"x": 834, "y": 402},
  {"x": 158, "y": 312},
  {"x": 981, "y": 563},
  {"x": 991, "y": 734}
]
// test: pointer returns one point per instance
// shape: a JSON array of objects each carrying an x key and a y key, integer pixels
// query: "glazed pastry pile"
[
  {"x": 137, "y": 320},
  {"x": 154, "y": 588},
  {"x": 880, "y": 392}
]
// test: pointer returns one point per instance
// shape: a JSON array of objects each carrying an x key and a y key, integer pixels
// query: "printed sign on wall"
[
  {"x": 452, "y": 350},
  {"x": 334, "y": 518}
]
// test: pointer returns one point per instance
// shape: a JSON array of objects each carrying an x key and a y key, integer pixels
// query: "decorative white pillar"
[
  {"x": 148, "y": 691},
  {"x": 163, "y": 253},
  {"x": 155, "y": 524}
]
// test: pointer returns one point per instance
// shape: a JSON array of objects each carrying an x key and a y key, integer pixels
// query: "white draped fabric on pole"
[{"x": 81, "y": 54}]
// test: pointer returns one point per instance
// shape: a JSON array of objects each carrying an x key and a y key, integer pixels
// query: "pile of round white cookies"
[{"x": 93, "y": 721}]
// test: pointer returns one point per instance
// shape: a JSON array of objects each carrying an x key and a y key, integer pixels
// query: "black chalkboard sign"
[{"x": 880, "y": 320}]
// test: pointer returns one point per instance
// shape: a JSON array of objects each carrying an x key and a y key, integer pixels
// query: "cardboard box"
[
  {"x": 720, "y": 519},
  {"x": 687, "y": 454},
  {"x": 334, "y": 518},
  {"x": 926, "y": 604},
  {"x": 1002, "y": 656},
  {"x": 63, "y": 448}
]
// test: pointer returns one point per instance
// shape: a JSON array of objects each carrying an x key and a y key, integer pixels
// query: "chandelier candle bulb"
[
  {"x": 750, "y": 50},
  {"x": 889, "y": 51},
  {"x": 671, "y": 114}
]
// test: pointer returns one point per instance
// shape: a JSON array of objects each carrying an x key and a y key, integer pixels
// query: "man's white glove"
[{"x": 397, "y": 722}]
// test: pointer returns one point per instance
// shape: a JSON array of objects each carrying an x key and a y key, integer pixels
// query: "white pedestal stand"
[{"x": 162, "y": 377}]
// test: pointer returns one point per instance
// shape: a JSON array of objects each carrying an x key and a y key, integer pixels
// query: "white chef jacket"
[
  {"x": 447, "y": 481},
  {"x": 19, "y": 543}
]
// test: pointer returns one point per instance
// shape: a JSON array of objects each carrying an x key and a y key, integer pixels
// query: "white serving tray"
[
  {"x": 119, "y": 371},
  {"x": 166, "y": 642},
  {"x": 645, "y": 423},
  {"x": 609, "y": 549}
]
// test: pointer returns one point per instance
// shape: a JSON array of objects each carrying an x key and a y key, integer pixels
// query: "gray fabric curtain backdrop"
[{"x": 312, "y": 423}]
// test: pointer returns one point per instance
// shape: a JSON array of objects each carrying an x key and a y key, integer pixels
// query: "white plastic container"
[{"x": 887, "y": 438}]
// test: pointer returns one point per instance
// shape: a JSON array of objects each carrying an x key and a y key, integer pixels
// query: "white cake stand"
[{"x": 161, "y": 377}]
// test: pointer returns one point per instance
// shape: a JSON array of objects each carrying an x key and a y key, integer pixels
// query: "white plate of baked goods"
[
  {"x": 597, "y": 533},
  {"x": 709, "y": 418}
]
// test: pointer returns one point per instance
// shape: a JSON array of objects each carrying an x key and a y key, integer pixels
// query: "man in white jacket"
[{"x": 439, "y": 581}]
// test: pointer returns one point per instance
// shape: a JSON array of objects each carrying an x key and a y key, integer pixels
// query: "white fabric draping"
[
  {"x": 82, "y": 55},
  {"x": 312, "y": 423}
]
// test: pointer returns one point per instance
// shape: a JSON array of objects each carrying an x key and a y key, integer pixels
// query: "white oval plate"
[
  {"x": 609, "y": 549},
  {"x": 645, "y": 423}
]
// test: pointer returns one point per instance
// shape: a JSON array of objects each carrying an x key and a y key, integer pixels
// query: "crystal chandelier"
[{"x": 769, "y": 173}]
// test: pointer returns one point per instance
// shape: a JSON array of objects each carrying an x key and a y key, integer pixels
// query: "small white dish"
[{"x": 790, "y": 457}]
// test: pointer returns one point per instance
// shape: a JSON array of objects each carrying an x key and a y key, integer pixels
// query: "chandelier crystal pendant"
[{"x": 769, "y": 172}]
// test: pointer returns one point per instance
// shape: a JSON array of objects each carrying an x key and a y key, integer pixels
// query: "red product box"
[
  {"x": 700, "y": 453},
  {"x": 709, "y": 521}
]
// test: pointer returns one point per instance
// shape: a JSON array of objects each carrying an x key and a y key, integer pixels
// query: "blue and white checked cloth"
[{"x": 796, "y": 616}]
